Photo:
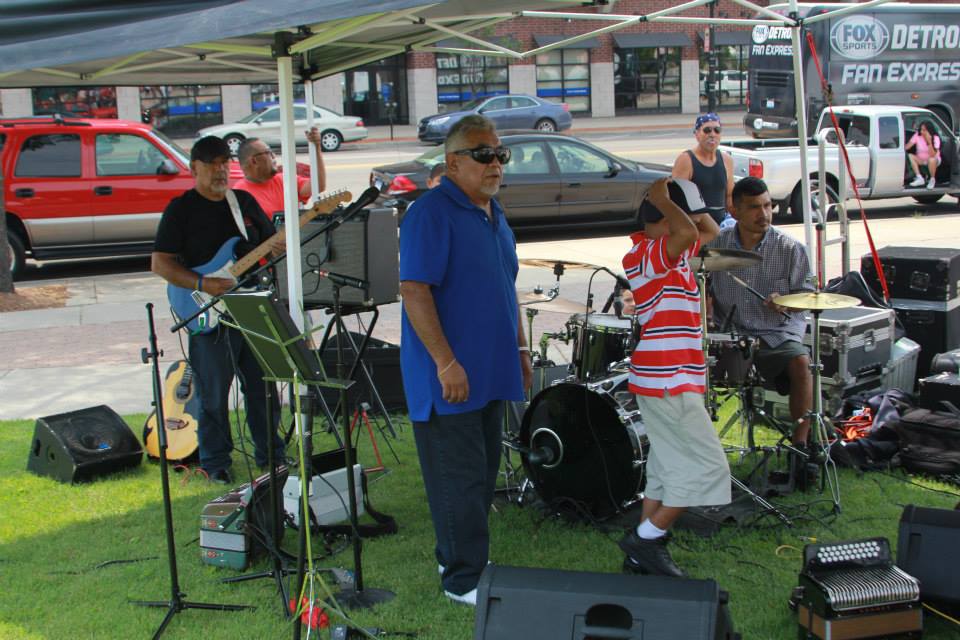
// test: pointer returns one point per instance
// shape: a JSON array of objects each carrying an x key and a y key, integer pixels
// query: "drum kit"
[{"x": 581, "y": 438}]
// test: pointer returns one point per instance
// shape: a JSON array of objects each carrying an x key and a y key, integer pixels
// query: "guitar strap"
[{"x": 235, "y": 210}]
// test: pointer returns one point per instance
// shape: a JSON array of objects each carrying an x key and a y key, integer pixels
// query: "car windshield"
[
  {"x": 432, "y": 157},
  {"x": 251, "y": 116},
  {"x": 473, "y": 104}
]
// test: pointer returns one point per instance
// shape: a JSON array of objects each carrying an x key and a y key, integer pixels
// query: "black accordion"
[{"x": 852, "y": 589}]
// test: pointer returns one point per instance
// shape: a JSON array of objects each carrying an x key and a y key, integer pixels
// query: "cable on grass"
[
  {"x": 952, "y": 494},
  {"x": 941, "y": 614},
  {"x": 786, "y": 547},
  {"x": 101, "y": 565}
]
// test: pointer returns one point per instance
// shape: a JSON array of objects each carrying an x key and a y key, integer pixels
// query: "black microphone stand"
[{"x": 176, "y": 604}]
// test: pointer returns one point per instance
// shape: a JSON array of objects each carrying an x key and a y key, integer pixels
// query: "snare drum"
[
  {"x": 731, "y": 357},
  {"x": 599, "y": 340}
]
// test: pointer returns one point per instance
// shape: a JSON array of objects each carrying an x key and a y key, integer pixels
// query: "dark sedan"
[
  {"x": 507, "y": 112},
  {"x": 551, "y": 180}
]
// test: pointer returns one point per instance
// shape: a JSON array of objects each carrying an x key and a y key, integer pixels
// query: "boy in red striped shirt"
[{"x": 687, "y": 466}]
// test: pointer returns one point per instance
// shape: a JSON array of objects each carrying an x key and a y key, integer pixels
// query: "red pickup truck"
[{"x": 78, "y": 187}]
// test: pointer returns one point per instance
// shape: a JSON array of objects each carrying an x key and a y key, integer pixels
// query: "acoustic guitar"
[
  {"x": 181, "y": 408},
  {"x": 186, "y": 302}
]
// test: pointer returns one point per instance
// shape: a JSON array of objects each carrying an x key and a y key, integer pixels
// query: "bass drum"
[{"x": 586, "y": 446}]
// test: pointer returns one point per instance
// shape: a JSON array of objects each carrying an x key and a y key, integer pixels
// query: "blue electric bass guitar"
[{"x": 186, "y": 302}]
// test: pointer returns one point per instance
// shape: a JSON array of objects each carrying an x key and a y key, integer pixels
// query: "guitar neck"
[{"x": 326, "y": 205}]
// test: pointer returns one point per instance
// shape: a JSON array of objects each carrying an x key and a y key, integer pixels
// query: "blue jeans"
[
  {"x": 215, "y": 357},
  {"x": 460, "y": 458}
]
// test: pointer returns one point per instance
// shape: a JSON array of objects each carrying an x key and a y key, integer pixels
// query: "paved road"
[{"x": 88, "y": 352}]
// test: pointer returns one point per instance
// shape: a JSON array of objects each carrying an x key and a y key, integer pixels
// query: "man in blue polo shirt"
[{"x": 463, "y": 351}]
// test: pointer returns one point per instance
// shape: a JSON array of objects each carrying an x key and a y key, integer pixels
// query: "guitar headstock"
[{"x": 326, "y": 204}]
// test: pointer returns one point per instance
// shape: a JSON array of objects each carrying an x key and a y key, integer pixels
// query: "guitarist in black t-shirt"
[{"x": 195, "y": 230}]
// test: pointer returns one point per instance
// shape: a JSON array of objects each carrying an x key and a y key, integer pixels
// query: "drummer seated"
[{"x": 781, "y": 359}]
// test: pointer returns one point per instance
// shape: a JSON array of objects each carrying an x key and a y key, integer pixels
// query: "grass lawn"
[{"x": 54, "y": 539}]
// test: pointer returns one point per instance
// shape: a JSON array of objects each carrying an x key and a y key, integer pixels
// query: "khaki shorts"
[{"x": 686, "y": 466}]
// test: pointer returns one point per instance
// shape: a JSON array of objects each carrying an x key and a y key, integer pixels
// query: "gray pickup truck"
[{"x": 875, "y": 137}]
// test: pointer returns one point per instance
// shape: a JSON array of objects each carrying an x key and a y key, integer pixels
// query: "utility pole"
[{"x": 711, "y": 63}]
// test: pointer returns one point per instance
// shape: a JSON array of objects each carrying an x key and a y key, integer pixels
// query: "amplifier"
[
  {"x": 364, "y": 247},
  {"x": 935, "y": 326},
  {"x": 927, "y": 548},
  {"x": 916, "y": 273}
]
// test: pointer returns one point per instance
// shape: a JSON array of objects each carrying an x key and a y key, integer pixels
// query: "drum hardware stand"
[{"x": 176, "y": 604}]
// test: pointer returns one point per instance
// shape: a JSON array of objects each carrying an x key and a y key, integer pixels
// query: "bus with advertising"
[{"x": 890, "y": 54}]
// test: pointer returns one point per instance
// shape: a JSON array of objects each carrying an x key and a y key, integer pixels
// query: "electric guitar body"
[{"x": 181, "y": 409}]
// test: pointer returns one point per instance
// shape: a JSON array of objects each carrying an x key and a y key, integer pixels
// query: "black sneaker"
[
  {"x": 650, "y": 557},
  {"x": 221, "y": 476}
]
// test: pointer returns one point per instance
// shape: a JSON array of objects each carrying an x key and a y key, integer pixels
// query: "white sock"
[{"x": 649, "y": 531}]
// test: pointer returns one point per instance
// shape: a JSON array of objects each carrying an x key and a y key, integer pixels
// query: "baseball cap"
[
  {"x": 684, "y": 193},
  {"x": 209, "y": 148}
]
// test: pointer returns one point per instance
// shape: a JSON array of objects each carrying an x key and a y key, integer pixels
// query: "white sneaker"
[
  {"x": 468, "y": 598},
  {"x": 917, "y": 181},
  {"x": 440, "y": 569},
  {"x": 932, "y": 184}
]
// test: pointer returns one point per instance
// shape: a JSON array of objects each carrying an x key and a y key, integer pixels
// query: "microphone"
[
  {"x": 542, "y": 456},
  {"x": 367, "y": 197},
  {"x": 341, "y": 280}
]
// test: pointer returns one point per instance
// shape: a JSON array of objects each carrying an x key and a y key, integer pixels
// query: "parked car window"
[
  {"x": 573, "y": 158},
  {"x": 522, "y": 102},
  {"x": 126, "y": 155},
  {"x": 299, "y": 112},
  {"x": 889, "y": 133},
  {"x": 528, "y": 158},
  {"x": 55, "y": 155},
  {"x": 497, "y": 103},
  {"x": 271, "y": 115}
]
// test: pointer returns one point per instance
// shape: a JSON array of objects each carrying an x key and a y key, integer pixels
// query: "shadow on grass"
[{"x": 52, "y": 537}]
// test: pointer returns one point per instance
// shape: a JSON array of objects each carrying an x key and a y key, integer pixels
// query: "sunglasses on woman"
[{"x": 485, "y": 154}]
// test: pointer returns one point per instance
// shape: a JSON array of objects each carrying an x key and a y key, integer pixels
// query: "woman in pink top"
[{"x": 926, "y": 146}]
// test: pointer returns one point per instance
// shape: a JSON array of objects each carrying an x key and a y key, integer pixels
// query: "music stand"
[{"x": 285, "y": 356}]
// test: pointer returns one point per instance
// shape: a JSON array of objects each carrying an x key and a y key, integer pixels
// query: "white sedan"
[{"x": 265, "y": 124}]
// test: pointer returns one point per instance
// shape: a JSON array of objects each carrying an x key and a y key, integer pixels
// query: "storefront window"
[
  {"x": 647, "y": 79},
  {"x": 265, "y": 95},
  {"x": 563, "y": 75},
  {"x": 181, "y": 110},
  {"x": 732, "y": 62},
  {"x": 461, "y": 78},
  {"x": 83, "y": 102}
]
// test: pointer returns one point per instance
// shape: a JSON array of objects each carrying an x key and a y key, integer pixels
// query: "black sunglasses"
[
  {"x": 485, "y": 155},
  {"x": 709, "y": 130}
]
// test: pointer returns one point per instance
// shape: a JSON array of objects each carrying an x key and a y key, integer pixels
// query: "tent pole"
[{"x": 801, "y": 101}]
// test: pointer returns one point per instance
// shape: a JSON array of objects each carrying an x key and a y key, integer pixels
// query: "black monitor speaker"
[
  {"x": 546, "y": 604},
  {"x": 81, "y": 445}
]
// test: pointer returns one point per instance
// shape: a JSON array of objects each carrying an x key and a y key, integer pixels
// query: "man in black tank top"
[{"x": 706, "y": 167}]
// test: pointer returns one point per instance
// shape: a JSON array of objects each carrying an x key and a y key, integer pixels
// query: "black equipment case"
[
  {"x": 916, "y": 273},
  {"x": 942, "y": 386}
]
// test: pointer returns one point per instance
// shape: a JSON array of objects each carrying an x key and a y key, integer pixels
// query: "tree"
[{"x": 6, "y": 255}]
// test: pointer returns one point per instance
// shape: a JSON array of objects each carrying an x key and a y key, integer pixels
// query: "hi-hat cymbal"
[
  {"x": 558, "y": 305},
  {"x": 816, "y": 301},
  {"x": 724, "y": 259},
  {"x": 548, "y": 263}
]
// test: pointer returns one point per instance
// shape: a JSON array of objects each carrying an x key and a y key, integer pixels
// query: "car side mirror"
[
  {"x": 167, "y": 168},
  {"x": 614, "y": 169}
]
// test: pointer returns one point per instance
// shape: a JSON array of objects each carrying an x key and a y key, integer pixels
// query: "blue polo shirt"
[{"x": 470, "y": 263}]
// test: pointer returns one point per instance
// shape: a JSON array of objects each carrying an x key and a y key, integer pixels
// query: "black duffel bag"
[{"x": 930, "y": 441}]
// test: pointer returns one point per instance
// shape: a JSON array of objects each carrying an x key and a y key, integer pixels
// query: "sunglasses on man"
[
  {"x": 709, "y": 130},
  {"x": 486, "y": 154}
]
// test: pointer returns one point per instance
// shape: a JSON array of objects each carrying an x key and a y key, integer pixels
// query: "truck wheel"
[
  {"x": 930, "y": 199},
  {"x": 18, "y": 254},
  {"x": 796, "y": 210}
]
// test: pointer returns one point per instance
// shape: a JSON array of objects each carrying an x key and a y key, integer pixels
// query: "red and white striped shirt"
[{"x": 668, "y": 359}]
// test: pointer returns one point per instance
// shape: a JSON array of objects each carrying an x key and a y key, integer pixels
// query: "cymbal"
[
  {"x": 558, "y": 305},
  {"x": 724, "y": 259},
  {"x": 548, "y": 263},
  {"x": 816, "y": 301}
]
